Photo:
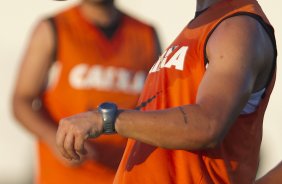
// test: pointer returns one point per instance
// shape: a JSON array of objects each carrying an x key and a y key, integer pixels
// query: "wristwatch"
[{"x": 108, "y": 111}]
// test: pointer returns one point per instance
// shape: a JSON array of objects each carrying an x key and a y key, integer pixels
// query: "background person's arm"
[
  {"x": 32, "y": 78},
  {"x": 238, "y": 50},
  {"x": 31, "y": 81}
]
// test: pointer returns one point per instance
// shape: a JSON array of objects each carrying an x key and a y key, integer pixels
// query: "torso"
[{"x": 173, "y": 81}]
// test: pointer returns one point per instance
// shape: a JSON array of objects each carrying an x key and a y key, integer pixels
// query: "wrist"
[
  {"x": 118, "y": 120},
  {"x": 94, "y": 124}
]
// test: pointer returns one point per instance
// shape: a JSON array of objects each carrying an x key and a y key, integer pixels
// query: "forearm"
[
  {"x": 185, "y": 127},
  {"x": 35, "y": 121},
  {"x": 189, "y": 127}
]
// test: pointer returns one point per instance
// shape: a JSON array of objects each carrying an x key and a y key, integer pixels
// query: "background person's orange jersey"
[
  {"x": 89, "y": 69},
  {"x": 173, "y": 81}
]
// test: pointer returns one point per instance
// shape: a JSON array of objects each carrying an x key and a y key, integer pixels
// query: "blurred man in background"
[{"x": 75, "y": 60}]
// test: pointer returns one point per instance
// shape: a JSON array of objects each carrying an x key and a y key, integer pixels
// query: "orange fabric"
[
  {"x": 92, "y": 69},
  {"x": 174, "y": 81}
]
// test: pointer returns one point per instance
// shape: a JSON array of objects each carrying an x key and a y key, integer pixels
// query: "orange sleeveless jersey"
[
  {"x": 91, "y": 69},
  {"x": 173, "y": 81}
]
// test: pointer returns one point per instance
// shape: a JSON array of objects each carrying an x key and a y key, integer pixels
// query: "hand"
[
  {"x": 74, "y": 130},
  {"x": 50, "y": 141}
]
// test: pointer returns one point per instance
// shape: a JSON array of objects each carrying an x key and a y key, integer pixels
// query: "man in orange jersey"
[
  {"x": 80, "y": 57},
  {"x": 202, "y": 105}
]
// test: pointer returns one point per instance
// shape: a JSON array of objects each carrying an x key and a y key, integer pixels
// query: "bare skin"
[
  {"x": 36, "y": 64},
  {"x": 203, "y": 4},
  {"x": 237, "y": 67},
  {"x": 272, "y": 177}
]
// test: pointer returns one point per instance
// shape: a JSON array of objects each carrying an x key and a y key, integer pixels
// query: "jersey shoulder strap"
[{"x": 53, "y": 26}]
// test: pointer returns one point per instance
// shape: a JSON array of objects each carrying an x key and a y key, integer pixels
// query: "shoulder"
[
  {"x": 241, "y": 44},
  {"x": 238, "y": 27},
  {"x": 43, "y": 28},
  {"x": 42, "y": 36},
  {"x": 238, "y": 34}
]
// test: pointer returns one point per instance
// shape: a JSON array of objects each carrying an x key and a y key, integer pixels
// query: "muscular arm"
[
  {"x": 234, "y": 66},
  {"x": 238, "y": 50}
]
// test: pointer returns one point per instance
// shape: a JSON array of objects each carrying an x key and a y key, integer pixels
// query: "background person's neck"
[
  {"x": 99, "y": 14},
  {"x": 203, "y": 4}
]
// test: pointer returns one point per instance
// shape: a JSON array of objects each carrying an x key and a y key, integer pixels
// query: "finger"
[
  {"x": 60, "y": 139},
  {"x": 79, "y": 145},
  {"x": 69, "y": 146}
]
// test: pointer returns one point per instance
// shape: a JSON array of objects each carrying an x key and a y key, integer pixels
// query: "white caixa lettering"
[
  {"x": 177, "y": 60},
  {"x": 104, "y": 78}
]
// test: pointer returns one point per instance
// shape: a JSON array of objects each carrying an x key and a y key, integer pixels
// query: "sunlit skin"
[{"x": 273, "y": 176}]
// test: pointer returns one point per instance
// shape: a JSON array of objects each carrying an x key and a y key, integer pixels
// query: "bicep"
[
  {"x": 36, "y": 61},
  {"x": 231, "y": 75}
]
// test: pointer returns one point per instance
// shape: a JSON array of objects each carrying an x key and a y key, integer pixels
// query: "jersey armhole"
[
  {"x": 52, "y": 23},
  {"x": 157, "y": 44}
]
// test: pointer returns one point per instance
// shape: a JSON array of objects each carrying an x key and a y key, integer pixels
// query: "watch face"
[{"x": 107, "y": 107}]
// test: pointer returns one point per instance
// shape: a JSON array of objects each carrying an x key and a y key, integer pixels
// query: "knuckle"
[
  {"x": 68, "y": 146},
  {"x": 78, "y": 147},
  {"x": 78, "y": 132},
  {"x": 62, "y": 122},
  {"x": 65, "y": 121}
]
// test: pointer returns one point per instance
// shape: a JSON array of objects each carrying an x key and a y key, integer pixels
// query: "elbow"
[
  {"x": 208, "y": 137},
  {"x": 211, "y": 143},
  {"x": 213, "y": 136},
  {"x": 20, "y": 103},
  {"x": 206, "y": 142},
  {"x": 16, "y": 107}
]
